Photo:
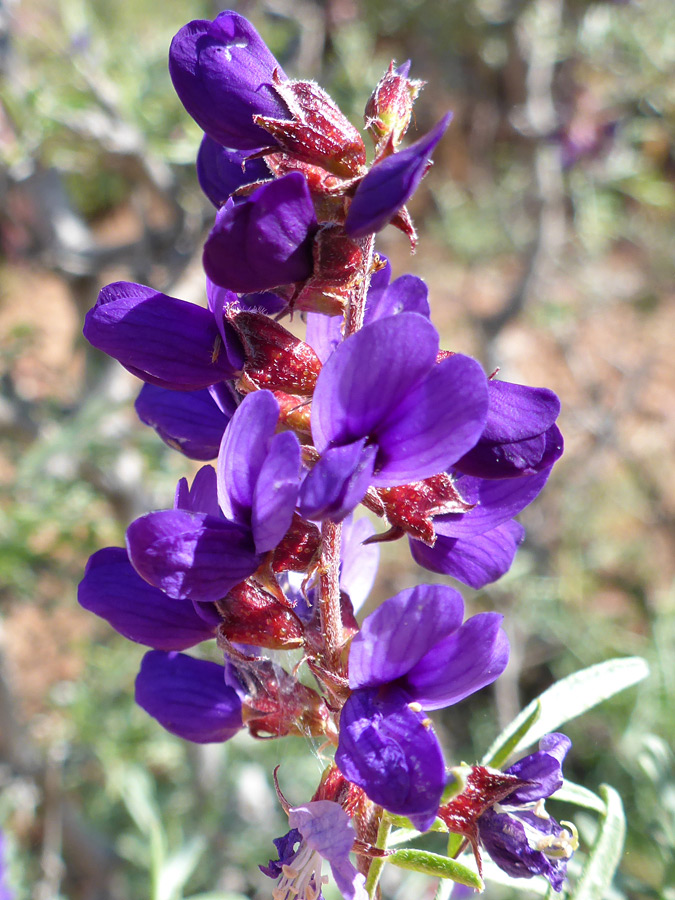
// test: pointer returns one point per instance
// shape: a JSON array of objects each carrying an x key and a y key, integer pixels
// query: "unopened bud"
[
  {"x": 252, "y": 616},
  {"x": 389, "y": 109},
  {"x": 318, "y": 132},
  {"x": 275, "y": 359}
]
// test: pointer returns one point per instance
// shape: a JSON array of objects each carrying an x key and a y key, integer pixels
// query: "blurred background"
[{"x": 547, "y": 242}]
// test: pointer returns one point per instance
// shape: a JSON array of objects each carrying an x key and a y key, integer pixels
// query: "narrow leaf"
[
  {"x": 504, "y": 745},
  {"x": 434, "y": 864},
  {"x": 597, "y": 875},
  {"x": 580, "y": 796},
  {"x": 572, "y": 696}
]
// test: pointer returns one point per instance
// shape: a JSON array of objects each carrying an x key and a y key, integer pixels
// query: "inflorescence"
[{"x": 266, "y": 551}]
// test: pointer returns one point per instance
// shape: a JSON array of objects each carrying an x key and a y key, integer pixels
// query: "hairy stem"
[{"x": 357, "y": 301}]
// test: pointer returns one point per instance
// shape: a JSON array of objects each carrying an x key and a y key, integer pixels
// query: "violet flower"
[
  {"x": 113, "y": 590},
  {"x": 520, "y": 436},
  {"x": 189, "y": 421},
  {"x": 222, "y": 71},
  {"x": 218, "y": 533},
  {"x": 412, "y": 654},
  {"x": 162, "y": 340},
  {"x": 320, "y": 831},
  {"x": 221, "y": 171},
  {"x": 188, "y": 697},
  {"x": 391, "y": 183},
  {"x": 401, "y": 418},
  {"x": 518, "y": 833},
  {"x": 264, "y": 240}
]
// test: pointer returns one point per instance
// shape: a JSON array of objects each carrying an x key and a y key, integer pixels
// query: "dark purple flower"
[
  {"x": 112, "y": 589},
  {"x": 221, "y": 171},
  {"x": 216, "y": 535},
  {"x": 189, "y": 421},
  {"x": 164, "y": 341},
  {"x": 399, "y": 418},
  {"x": 520, "y": 436},
  {"x": 264, "y": 240},
  {"x": 477, "y": 560},
  {"x": 259, "y": 471},
  {"x": 222, "y": 71},
  {"x": 320, "y": 831},
  {"x": 413, "y": 653},
  {"x": 188, "y": 697},
  {"x": 496, "y": 501},
  {"x": 518, "y": 833},
  {"x": 408, "y": 293},
  {"x": 391, "y": 183}
]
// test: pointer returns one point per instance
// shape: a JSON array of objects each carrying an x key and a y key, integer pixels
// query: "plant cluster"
[{"x": 264, "y": 553}]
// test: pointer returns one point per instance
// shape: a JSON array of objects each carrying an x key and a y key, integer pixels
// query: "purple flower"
[
  {"x": 189, "y": 421},
  {"x": 477, "y": 560},
  {"x": 113, "y": 590},
  {"x": 222, "y": 71},
  {"x": 391, "y": 183},
  {"x": 520, "y": 436},
  {"x": 413, "y": 653},
  {"x": 164, "y": 341},
  {"x": 408, "y": 293},
  {"x": 399, "y": 418},
  {"x": 188, "y": 697},
  {"x": 216, "y": 536},
  {"x": 518, "y": 833},
  {"x": 221, "y": 171},
  {"x": 320, "y": 831},
  {"x": 265, "y": 240}
]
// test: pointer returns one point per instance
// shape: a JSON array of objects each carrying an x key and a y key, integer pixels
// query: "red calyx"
[
  {"x": 411, "y": 507},
  {"x": 275, "y": 358},
  {"x": 252, "y": 616}
]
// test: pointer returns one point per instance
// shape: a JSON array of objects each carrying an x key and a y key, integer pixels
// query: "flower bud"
[
  {"x": 275, "y": 358},
  {"x": 319, "y": 133},
  {"x": 389, "y": 109},
  {"x": 252, "y": 616}
]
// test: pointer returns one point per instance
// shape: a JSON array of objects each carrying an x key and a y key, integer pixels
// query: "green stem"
[{"x": 377, "y": 864}]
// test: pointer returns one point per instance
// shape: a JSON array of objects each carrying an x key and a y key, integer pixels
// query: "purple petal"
[
  {"x": 337, "y": 482},
  {"x": 188, "y": 697},
  {"x": 191, "y": 556},
  {"x": 359, "y": 561},
  {"x": 221, "y": 171},
  {"x": 265, "y": 240},
  {"x": 276, "y": 492},
  {"x": 518, "y": 412},
  {"x": 391, "y": 752},
  {"x": 504, "y": 838},
  {"x": 188, "y": 421},
  {"x": 352, "y": 399},
  {"x": 460, "y": 664},
  {"x": 263, "y": 301},
  {"x": 391, "y": 183},
  {"x": 325, "y": 827},
  {"x": 476, "y": 561},
  {"x": 222, "y": 72},
  {"x": 242, "y": 453},
  {"x": 218, "y": 298},
  {"x": 399, "y": 633},
  {"x": 436, "y": 422},
  {"x": 323, "y": 334},
  {"x": 543, "y": 768},
  {"x": 527, "y": 457},
  {"x": 407, "y": 294},
  {"x": 160, "y": 339},
  {"x": 497, "y": 502},
  {"x": 202, "y": 496},
  {"x": 112, "y": 589}
]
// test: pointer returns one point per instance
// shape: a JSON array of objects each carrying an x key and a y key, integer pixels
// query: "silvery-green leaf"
[
  {"x": 434, "y": 864},
  {"x": 178, "y": 868},
  {"x": 596, "y": 877},
  {"x": 580, "y": 796},
  {"x": 570, "y": 697},
  {"x": 504, "y": 745}
]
